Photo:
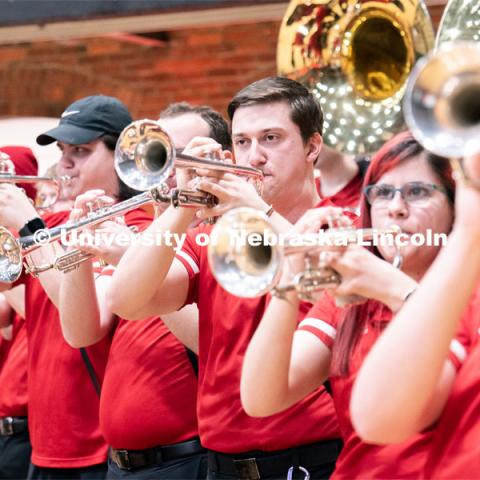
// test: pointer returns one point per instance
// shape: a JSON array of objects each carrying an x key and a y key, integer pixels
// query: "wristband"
[{"x": 31, "y": 227}]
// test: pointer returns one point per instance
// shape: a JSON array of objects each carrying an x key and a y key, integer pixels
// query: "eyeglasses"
[{"x": 415, "y": 193}]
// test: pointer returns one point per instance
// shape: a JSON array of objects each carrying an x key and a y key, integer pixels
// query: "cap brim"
[{"x": 70, "y": 134}]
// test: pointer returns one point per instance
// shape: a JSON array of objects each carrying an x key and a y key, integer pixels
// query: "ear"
[{"x": 314, "y": 147}]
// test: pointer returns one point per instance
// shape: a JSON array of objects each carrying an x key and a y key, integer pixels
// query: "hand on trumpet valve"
[
  {"x": 231, "y": 191},
  {"x": 89, "y": 202},
  {"x": 204, "y": 147},
  {"x": 16, "y": 209},
  {"x": 200, "y": 147},
  {"x": 364, "y": 275},
  {"x": 312, "y": 222},
  {"x": 107, "y": 240}
]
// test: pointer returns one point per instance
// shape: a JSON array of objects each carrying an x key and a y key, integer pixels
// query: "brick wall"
[{"x": 202, "y": 66}]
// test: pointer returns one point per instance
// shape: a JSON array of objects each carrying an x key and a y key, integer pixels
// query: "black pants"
[
  {"x": 15, "y": 451},
  {"x": 95, "y": 472},
  {"x": 187, "y": 468},
  {"x": 318, "y": 460}
]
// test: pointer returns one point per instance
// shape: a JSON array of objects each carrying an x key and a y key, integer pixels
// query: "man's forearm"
[
  {"x": 78, "y": 307},
  {"x": 147, "y": 261}
]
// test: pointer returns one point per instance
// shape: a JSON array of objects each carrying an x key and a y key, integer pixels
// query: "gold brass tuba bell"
[{"x": 355, "y": 56}]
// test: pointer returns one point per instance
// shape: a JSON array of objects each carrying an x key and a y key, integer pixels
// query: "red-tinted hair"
[{"x": 399, "y": 149}]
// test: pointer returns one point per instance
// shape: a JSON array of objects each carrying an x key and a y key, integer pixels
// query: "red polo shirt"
[
  {"x": 149, "y": 391},
  {"x": 63, "y": 404},
  {"x": 357, "y": 458},
  {"x": 348, "y": 196},
  {"x": 13, "y": 374},
  {"x": 4, "y": 348},
  {"x": 455, "y": 449},
  {"x": 227, "y": 324}
]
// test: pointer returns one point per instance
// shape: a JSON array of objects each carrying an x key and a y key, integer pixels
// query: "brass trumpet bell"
[
  {"x": 442, "y": 101},
  {"x": 10, "y": 257},
  {"x": 144, "y": 155},
  {"x": 355, "y": 56},
  {"x": 240, "y": 268}
]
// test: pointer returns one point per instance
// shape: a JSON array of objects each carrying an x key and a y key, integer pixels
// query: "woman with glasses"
[
  {"x": 405, "y": 186},
  {"x": 386, "y": 411}
]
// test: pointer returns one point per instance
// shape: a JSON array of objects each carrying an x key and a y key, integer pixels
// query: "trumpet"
[
  {"x": 144, "y": 158},
  {"x": 441, "y": 104},
  {"x": 442, "y": 100},
  {"x": 8, "y": 175},
  {"x": 246, "y": 255}
]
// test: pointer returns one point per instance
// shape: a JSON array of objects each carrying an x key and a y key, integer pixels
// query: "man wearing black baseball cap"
[
  {"x": 86, "y": 135},
  {"x": 88, "y": 119},
  {"x": 63, "y": 402}
]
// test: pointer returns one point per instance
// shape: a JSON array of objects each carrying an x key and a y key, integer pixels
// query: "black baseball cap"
[{"x": 88, "y": 119}]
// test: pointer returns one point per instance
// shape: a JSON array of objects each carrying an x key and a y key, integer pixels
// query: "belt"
[
  {"x": 12, "y": 425},
  {"x": 256, "y": 465},
  {"x": 134, "y": 459}
]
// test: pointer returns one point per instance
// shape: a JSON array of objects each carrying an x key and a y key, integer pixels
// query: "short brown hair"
[
  {"x": 218, "y": 125},
  {"x": 305, "y": 111}
]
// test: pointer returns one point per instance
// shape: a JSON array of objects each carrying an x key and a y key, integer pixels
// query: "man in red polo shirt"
[
  {"x": 63, "y": 402},
  {"x": 149, "y": 379},
  {"x": 276, "y": 126}
]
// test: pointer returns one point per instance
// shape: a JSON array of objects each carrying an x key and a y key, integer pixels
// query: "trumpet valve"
[{"x": 313, "y": 280}]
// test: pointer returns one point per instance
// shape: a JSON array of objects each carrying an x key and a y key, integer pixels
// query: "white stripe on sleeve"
[
  {"x": 189, "y": 260},
  {"x": 458, "y": 350}
]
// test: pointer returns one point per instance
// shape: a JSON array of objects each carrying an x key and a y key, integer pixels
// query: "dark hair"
[
  {"x": 398, "y": 150},
  {"x": 218, "y": 126},
  {"x": 124, "y": 191},
  {"x": 305, "y": 111}
]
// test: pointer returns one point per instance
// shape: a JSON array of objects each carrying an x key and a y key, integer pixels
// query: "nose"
[
  {"x": 397, "y": 207},
  {"x": 65, "y": 163},
  {"x": 256, "y": 155}
]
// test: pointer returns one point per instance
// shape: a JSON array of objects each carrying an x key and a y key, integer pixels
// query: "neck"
[
  {"x": 293, "y": 205},
  {"x": 336, "y": 170}
]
